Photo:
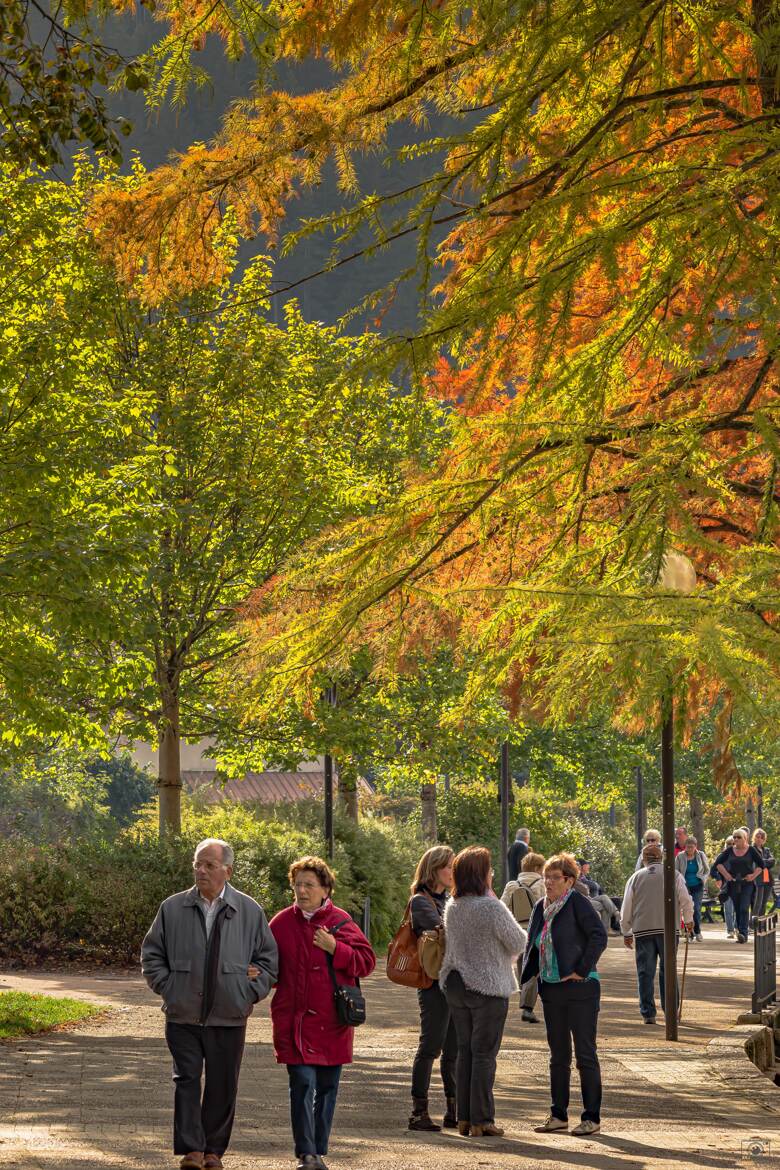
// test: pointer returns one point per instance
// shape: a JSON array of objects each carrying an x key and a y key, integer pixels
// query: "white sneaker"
[
  {"x": 729, "y": 934},
  {"x": 586, "y": 1128},
  {"x": 551, "y": 1124}
]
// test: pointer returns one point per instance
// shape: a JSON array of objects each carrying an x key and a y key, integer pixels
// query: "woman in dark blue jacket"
[{"x": 565, "y": 939}]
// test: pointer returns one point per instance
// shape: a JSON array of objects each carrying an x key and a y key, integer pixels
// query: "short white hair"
[
  {"x": 522, "y": 835},
  {"x": 228, "y": 857}
]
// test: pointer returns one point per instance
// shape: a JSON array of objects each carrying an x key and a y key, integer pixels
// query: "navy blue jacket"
[{"x": 578, "y": 936}]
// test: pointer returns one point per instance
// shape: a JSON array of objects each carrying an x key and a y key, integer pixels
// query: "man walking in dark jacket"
[
  {"x": 211, "y": 956},
  {"x": 517, "y": 851}
]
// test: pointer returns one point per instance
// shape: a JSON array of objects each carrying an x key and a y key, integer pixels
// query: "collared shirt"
[
  {"x": 210, "y": 909},
  {"x": 309, "y": 914}
]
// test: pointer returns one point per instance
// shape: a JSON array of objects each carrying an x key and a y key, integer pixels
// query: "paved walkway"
[{"x": 100, "y": 1096}]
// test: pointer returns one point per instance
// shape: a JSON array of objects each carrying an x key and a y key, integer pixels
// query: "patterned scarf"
[{"x": 548, "y": 961}]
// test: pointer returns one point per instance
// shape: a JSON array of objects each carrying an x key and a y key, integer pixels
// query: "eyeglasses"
[
  {"x": 209, "y": 865},
  {"x": 305, "y": 886}
]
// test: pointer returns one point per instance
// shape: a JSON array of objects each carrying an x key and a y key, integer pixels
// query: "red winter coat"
[{"x": 305, "y": 1025}]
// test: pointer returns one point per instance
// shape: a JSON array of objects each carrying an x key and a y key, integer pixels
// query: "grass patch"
[{"x": 22, "y": 1014}]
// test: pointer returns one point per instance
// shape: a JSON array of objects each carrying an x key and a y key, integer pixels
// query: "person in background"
[
  {"x": 764, "y": 882},
  {"x": 478, "y": 977},
  {"x": 565, "y": 939},
  {"x": 739, "y": 866},
  {"x": 521, "y": 896},
  {"x": 308, "y": 1035},
  {"x": 211, "y": 956},
  {"x": 695, "y": 868},
  {"x": 602, "y": 903},
  {"x": 431, "y": 885},
  {"x": 517, "y": 851},
  {"x": 642, "y": 922},
  {"x": 651, "y": 837},
  {"x": 729, "y": 917},
  {"x": 680, "y": 837}
]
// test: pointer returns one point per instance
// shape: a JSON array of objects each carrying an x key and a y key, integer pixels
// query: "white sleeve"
[
  {"x": 685, "y": 900},
  {"x": 627, "y": 907}
]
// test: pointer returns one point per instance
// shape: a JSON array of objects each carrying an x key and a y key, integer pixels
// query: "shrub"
[{"x": 94, "y": 898}]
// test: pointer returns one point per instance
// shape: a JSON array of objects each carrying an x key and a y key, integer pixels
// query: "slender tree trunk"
[
  {"x": 750, "y": 813},
  {"x": 348, "y": 789},
  {"x": 169, "y": 765},
  {"x": 697, "y": 819},
  {"x": 430, "y": 826}
]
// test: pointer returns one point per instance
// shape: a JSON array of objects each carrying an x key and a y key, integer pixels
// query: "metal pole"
[
  {"x": 670, "y": 902},
  {"x": 330, "y": 698},
  {"x": 504, "y": 797},
  {"x": 760, "y": 806},
  {"x": 640, "y": 809}
]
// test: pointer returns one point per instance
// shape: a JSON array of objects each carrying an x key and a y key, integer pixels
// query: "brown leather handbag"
[{"x": 403, "y": 959}]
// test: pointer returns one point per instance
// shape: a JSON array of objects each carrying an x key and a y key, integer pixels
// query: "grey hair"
[
  {"x": 228, "y": 857},
  {"x": 522, "y": 834},
  {"x": 654, "y": 832}
]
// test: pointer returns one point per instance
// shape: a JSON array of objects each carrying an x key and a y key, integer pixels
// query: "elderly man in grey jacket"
[
  {"x": 642, "y": 923},
  {"x": 210, "y": 955}
]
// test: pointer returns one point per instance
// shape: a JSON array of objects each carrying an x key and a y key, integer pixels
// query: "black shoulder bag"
[{"x": 350, "y": 1001}]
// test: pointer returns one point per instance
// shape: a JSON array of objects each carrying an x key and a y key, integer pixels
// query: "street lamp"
[{"x": 676, "y": 575}]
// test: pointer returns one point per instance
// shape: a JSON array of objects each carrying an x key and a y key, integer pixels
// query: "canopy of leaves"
[
  {"x": 603, "y": 317},
  {"x": 51, "y": 65}
]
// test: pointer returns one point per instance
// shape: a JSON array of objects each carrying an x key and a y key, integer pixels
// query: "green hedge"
[{"x": 94, "y": 898}]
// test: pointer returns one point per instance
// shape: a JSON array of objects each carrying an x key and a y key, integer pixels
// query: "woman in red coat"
[{"x": 308, "y": 1036}]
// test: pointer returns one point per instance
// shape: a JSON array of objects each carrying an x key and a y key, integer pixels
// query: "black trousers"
[
  {"x": 479, "y": 1025},
  {"x": 571, "y": 1011},
  {"x": 437, "y": 1039},
  {"x": 206, "y": 1124}
]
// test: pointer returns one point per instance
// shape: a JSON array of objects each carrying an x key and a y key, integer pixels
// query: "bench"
[{"x": 709, "y": 906}]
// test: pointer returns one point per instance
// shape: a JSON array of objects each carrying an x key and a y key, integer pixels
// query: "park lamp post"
[{"x": 677, "y": 575}]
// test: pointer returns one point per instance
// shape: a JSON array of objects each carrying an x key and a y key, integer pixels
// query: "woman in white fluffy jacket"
[{"x": 478, "y": 976}]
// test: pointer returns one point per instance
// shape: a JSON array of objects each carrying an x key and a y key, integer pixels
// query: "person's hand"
[
  {"x": 574, "y": 978},
  {"x": 324, "y": 940},
  {"x": 750, "y": 877},
  {"x": 252, "y": 971},
  {"x": 628, "y": 941}
]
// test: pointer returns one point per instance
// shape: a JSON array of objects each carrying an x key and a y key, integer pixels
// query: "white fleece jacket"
[{"x": 482, "y": 941}]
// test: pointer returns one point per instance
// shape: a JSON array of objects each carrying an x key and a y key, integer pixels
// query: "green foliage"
[
  {"x": 51, "y": 798},
  {"x": 94, "y": 897},
  {"x": 127, "y": 787},
  {"x": 23, "y": 1014}
]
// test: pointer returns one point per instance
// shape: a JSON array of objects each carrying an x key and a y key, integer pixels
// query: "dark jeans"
[
  {"x": 649, "y": 950},
  {"x": 697, "y": 894},
  {"x": 437, "y": 1038},
  {"x": 313, "y": 1092},
  {"x": 571, "y": 1011},
  {"x": 205, "y": 1124},
  {"x": 741, "y": 894},
  {"x": 479, "y": 1024}
]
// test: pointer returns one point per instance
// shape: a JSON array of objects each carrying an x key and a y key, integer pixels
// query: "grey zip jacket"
[{"x": 175, "y": 951}]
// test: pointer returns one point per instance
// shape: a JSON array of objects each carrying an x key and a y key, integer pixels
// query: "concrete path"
[{"x": 100, "y": 1096}]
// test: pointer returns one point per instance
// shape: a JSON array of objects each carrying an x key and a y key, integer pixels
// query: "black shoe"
[
  {"x": 741, "y": 938},
  {"x": 421, "y": 1119},
  {"x": 649, "y": 1020}
]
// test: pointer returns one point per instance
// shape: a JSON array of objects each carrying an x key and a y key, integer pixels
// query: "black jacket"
[
  {"x": 427, "y": 914},
  {"x": 578, "y": 936},
  {"x": 514, "y": 858}
]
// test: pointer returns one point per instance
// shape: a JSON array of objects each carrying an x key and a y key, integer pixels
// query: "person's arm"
[
  {"x": 720, "y": 865},
  {"x": 154, "y": 956},
  {"x": 354, "y": 956},
  {"x": 758, "y": 864},
  {"x": 627, "y": 911},
  {"x": 506, "y": 897},
  {"x": 424, "y": 914},
  {"x": 509, "y": 931},
  {"x": 264, "y": 961},
  {"x": 593, "y": 928}
]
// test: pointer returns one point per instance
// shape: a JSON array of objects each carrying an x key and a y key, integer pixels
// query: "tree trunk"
[
  {"x": 348, "y": 789},
  {"x": 430, "y": 827},
  {"x": 750, "y": 813},
  {"x": 169, "y": 766},
  {"x": 697, "y": 819}
]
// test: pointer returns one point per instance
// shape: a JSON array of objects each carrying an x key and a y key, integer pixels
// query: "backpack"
[
  {"x": 430, "y": 949},
  {"x": 403, "y": 958},
  {"x": 523, "y": 904}
]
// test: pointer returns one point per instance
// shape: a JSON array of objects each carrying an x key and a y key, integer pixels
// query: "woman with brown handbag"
[{"x": 430, "y": 890}]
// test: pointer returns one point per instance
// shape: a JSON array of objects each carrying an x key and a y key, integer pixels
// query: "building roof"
[{"x": 265, "y": 787}]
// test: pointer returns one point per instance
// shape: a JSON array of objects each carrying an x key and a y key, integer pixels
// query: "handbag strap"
[{"x": 333, "y": 978}]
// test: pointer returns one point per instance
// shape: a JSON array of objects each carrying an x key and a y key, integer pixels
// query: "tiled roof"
[{"x": 265, "y": 787}]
